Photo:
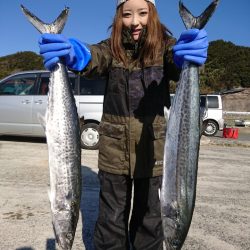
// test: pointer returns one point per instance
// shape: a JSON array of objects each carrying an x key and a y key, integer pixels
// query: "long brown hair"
[{"x": 156, "y": 36}]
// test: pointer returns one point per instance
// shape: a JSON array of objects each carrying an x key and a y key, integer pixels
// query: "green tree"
[{"x": 20, "y": 61}]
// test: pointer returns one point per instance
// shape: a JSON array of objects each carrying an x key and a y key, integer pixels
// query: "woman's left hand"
[{"x": 192, "y": 46}]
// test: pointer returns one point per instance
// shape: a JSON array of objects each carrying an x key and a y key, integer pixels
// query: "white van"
[
  {"x": 213, "y": 116},
  {"x": 24, "y": 95}
]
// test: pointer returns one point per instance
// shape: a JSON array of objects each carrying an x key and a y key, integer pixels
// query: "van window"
[
  {"x": 203, "y": 101},
  {"x": 213, "y": 102},
  {"x": 19, "y": 85},
  {"x": 92, "y": 87},
  {"x": 44, "y": 84}
]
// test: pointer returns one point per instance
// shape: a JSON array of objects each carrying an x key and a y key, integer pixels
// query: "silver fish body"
[
  {"x": 180, "y": 160},
  {"x": 64, "y": 149},
  {"x": 181, "y": 150},
  {"x": 63, "y": 139}
]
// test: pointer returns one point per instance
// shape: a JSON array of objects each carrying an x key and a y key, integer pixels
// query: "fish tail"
[
  {"x": 196, "y": 22},
  {"x": 55, "y": 27}
]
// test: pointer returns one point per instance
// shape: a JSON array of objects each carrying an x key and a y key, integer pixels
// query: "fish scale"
[
  {"x": 62, "y": 131},
  {"x": 181, "y": 149}
]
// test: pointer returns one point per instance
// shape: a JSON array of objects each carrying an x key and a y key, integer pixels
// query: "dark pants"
[{"x": 113, "y": 230}]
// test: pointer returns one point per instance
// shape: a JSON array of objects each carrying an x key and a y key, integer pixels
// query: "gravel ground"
[{"x": 221, "y": 218}]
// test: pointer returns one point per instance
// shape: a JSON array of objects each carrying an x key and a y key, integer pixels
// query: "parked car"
[
  {"x": 23, "y": 99},
  {"x": 212, "y": 113}
]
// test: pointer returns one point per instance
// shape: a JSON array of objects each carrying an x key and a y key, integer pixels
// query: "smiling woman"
[
  {"x": 135, "y": 16},
  {"x": 137, "y": 60},
  {"x": 147, "y": 38}
]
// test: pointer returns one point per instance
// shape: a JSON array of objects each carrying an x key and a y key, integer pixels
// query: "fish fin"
[
  {"x": 56, "y": 27},
  {"x": 199, "y": 22},
  {"x": 41, "y": 120}
]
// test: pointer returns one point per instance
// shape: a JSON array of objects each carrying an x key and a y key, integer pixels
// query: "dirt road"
[{"x": 221, "y": 219}]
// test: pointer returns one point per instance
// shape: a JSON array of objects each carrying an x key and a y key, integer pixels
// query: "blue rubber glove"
[
  {"x": 54, "y": 47},
  {"x": 192, "y": 46}
]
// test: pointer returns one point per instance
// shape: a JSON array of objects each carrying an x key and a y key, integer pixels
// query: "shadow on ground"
[{"x": 89, "y": 205}]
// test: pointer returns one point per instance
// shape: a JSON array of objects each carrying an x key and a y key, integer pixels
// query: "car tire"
[
  {"x": 90, "y": 136},
  {"x": 211, "y": 128}
]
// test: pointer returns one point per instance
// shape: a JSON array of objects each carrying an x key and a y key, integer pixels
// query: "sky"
[{"x": 89, "y": 20}]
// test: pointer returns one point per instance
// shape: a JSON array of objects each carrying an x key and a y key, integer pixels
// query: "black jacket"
[{"x": 133, "y": 126}]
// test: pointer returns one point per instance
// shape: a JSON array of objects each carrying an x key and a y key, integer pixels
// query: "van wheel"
[
  {"x": 211, "y": 128},
  {"x": 90, "y": 136}
]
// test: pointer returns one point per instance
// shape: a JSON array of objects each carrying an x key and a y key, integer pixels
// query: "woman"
[{"x": 138, "y": 60}]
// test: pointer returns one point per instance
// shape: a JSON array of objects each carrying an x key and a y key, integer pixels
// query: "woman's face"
[{"x": 135, "y": 16}]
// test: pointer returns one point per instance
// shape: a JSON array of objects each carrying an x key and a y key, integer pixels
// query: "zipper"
[{"x": 126, "y": 71}]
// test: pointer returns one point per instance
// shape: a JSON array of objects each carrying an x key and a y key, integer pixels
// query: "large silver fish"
[
  {"x": 63, "y": 139},
  {"x": 181, "y": 151}
]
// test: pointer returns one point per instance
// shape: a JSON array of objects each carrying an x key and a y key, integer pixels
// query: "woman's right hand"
[{"x": 56, "y": 47}]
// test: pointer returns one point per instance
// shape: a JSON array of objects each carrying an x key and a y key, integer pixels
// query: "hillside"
[
  {"x": 20, "y": 61},
  {"x": 227, "y": 67}
]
